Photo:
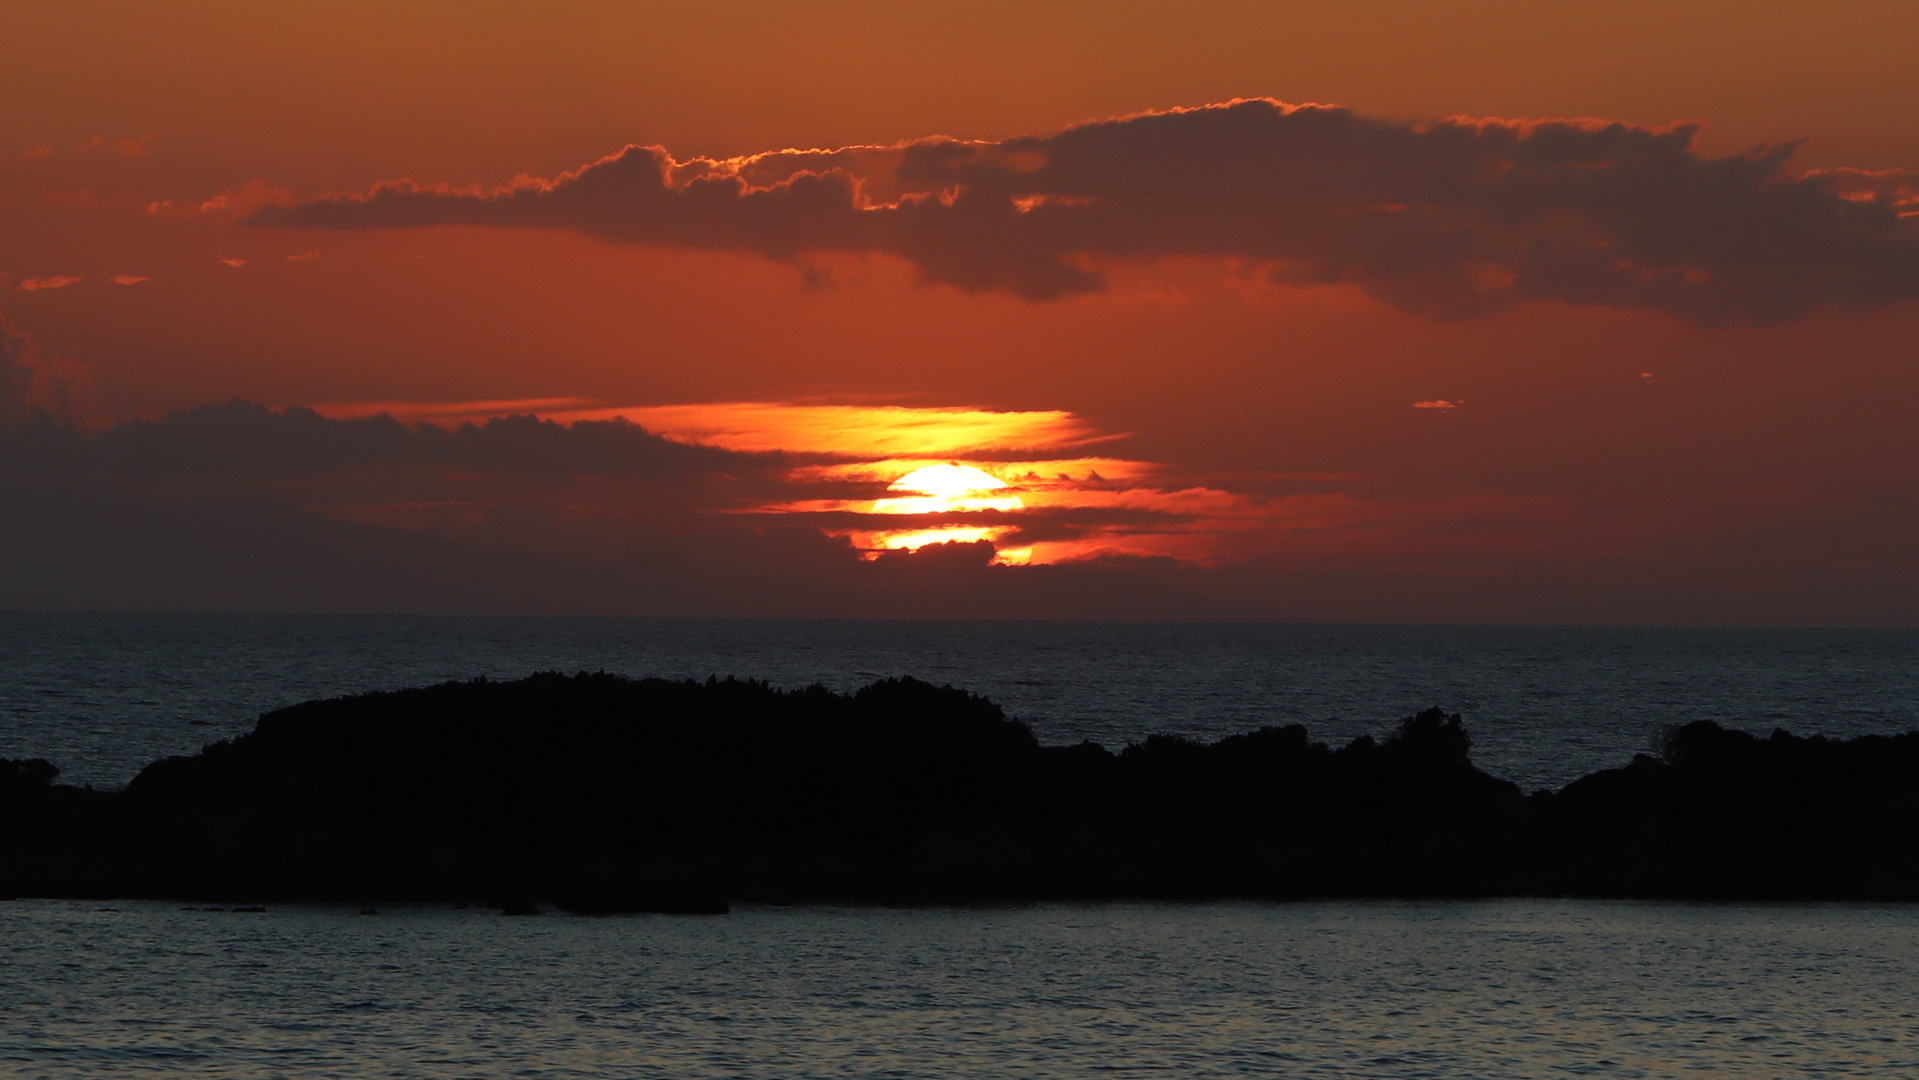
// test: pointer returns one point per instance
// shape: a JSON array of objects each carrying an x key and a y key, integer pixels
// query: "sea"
[
  {"x": 1482, "y": 989},
  {"x": 1477, "y": 991}
]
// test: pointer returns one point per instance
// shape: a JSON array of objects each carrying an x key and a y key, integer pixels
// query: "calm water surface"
[
  {"x": 103, "y": 695},
  {"x": 1481, "y": 990}
]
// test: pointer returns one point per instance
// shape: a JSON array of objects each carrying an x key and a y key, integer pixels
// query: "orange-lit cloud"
[
  {"x": 1451, "y": 218},
  {"x": 36, "y": 153},
  {"x": 914, "y": 539},
  {"x": 642, "y": 511},
  {"x": 875, "y": 431},
  {"x": 128, "y": 279},
  {"x": 55, "y": 281},
  {"x": 1025, "y": 471},
  {"x": 865, "y": 431},
  {"x": 1032, "y": 509},
  {"x": 1438, "y": 403},
  {"x": 231, "y": 204},
  {"x": 906, "y": 477},
  {"x": 1896, "y": 189}
]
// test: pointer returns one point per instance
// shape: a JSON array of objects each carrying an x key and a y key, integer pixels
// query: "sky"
[{"x": 1396, "y": 312}]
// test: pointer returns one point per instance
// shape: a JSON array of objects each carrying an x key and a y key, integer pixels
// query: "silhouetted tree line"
[{"x": 605, "y": 794}]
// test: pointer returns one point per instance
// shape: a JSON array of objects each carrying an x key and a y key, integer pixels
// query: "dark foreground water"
[
  {"x": 1481, "y": 990},
  {"x": 103, "y": 695}
]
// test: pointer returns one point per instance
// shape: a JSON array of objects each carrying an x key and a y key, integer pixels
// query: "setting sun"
[
  {"x": 947, "y": 489},
  {"x": 947, "y": 480},
  {"x": 941, "y": 489}
]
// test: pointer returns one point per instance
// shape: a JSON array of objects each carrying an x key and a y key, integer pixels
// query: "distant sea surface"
[{"x": 102, "y": 695}]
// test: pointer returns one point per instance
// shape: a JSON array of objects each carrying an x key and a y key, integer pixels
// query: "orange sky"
[{"x": 1720, "y": 432}]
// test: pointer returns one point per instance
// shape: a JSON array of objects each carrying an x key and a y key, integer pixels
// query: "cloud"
[
  {"x": 231, "y": 204},
  {"x": 16, "y": 373},
  {"x": 578, "y": 479},
  {"x": 1897, "y": 188},
  {"x": 36, "y": 388},
  {"x": 63, "y": 549},
  {"x": 241, "y": 438},
  {"x": 842, "y": 464},
  {"x": 233, "y": 262},
  {"x": 514, "y": 481},
  {"x": 855, "y": 430},
  {"x": 243, "y": 506},
  {"x": 128, "y": 279},
  {"x": 1450, "y": 218},
  {"x": 1440, "y": 403},
  {"x": 36, "y": 153},
  {"x": 56, "y": 281}
]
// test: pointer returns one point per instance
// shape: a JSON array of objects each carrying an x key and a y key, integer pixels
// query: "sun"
[
  {"x": 951, "y": 488},
  {"x": 948, "y": 480}
]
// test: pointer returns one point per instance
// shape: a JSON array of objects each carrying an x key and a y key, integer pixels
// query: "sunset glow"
[
  {"x": 767, "y": 426},
  {"x": 850, "y": 430},
  {"x": 915, "y": 485},
  {"x": 1028, "y": 474},
  {"x": 628, "y": 497},
  {"x": 946, "y": 489},
  {"x": 1248, "y": 312},
  {"x": 914, "y": 539}
]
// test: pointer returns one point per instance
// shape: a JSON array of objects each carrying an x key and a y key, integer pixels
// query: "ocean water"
[
  {"x": 1483, "y": 990},
  {"x": 1491, "y": 989},
  {"x": 101, "y": 695}
]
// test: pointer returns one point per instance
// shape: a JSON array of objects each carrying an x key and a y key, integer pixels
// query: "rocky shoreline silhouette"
[{"x": 600, "y": 794}]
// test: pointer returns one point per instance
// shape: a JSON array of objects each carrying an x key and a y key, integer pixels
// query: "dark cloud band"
[{"x": 1446, "y": 219}]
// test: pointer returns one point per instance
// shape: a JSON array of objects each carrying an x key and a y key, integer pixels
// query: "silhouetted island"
[{"x": 602, "y": 794}]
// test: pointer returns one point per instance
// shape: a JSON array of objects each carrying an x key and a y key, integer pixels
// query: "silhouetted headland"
[{"x": 603, "y": 794}]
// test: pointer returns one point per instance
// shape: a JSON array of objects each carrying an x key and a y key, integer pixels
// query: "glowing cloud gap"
[
  {"x": 1028, "y": 474},
  {"x": 895, "y": 496},
  {"x": 867, "y": 431},
  {"x": 914, "y": 539},
  {"x": 894, "y": 439},
  {"x": 1450, "y": 218}
]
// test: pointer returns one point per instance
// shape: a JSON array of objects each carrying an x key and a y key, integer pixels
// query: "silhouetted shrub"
[
  {"x": 603, "y": 795},
  {"x": 26, "y": 775}
]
